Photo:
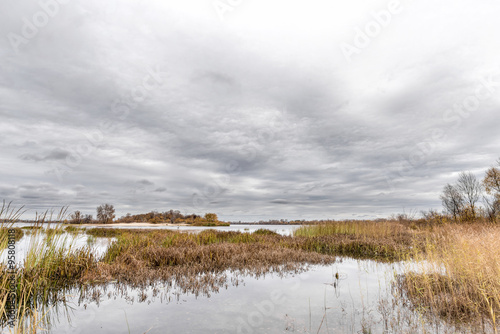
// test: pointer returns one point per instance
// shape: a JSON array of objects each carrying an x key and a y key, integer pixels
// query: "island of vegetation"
[{"x": 106, "y": 215}]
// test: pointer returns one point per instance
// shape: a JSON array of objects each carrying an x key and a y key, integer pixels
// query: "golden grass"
[
  {"x": 52, "y": 264},
  {"x": 354, "y": 227},
  {"x": 388, "y": 240},
  {"x": 458, "y": 277},
  {"x": 166, "y": 254}
]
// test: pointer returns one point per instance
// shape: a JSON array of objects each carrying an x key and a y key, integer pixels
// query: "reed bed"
[
  {"x": 51, "y": 266},
  {"x": 458, "y": 275},
  {"x": 106, "y": 232},
  {"x": 168, "y": 255},
  {"x": 357, "y": 228},
  {"x": 389, "y": 241}
]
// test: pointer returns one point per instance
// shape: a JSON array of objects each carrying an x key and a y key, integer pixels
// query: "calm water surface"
[
  {"x": 349, "y": 296},
  {"x": 306, "y": 302},
  {"x": 281, "y": 229}
]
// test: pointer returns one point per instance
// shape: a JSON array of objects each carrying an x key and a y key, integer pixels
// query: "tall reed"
[
  {"x": 52, "y": 264},
  {"x": 457, "y": 274}
]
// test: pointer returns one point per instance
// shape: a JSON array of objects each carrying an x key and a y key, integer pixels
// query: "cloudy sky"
[{"x": 250, "y": 109}]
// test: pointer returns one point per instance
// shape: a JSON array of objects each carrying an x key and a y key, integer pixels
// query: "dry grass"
[
  {"x": 354, "y": 227},
  {"x": 105, "y": 232},
  {"x": 388, "y": 240},
  {"x": 166, "y": 255},
  {"x": 458, "y": 278}
]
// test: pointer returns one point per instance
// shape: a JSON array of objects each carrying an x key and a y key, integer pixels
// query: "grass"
[
  {"x": 219, "y": 223},
  {"x": 4, "y": 235},
  {"x": 388, "y": 241},
  {"x": 458, "y": 277},
  {"x": 105, "y": 232},
  {"x": 52, "y": 264},
  {"x": 356, "y": 228},
  {"x": 73, "y": 229}
]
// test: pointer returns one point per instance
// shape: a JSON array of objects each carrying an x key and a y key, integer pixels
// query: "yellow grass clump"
[{"x": 458, "y": 274}]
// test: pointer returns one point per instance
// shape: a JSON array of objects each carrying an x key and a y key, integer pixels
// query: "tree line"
[
  {"x": 461, "y": 200},
  {"x": 106, "y": 215}
]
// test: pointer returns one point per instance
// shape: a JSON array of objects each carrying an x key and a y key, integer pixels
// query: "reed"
[
  {"x": 354, "y": 227},
  {"x": 457, "y": 277},
  {"x": 52, "y": 264},
  {"x": 105, "y": 232},
  {"x": 388, "y": 240}
]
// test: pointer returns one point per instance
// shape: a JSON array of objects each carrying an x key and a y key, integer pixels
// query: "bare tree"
[
  {"x": 174, "y": 215},
  {"x": 471, "y": 190},
  {"x": 76, "y": 217},
  {"x": 492, "y": 205},
  {"x": 87, "y": 219},
  {"x": 453, "y": 201},
  {"x": 105, "y": 213},
  {"x": 491, "y": 184}
]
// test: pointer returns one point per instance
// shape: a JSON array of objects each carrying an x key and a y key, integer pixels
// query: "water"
[
  {"x": 98, "y": 245},
  {"x": 348, "y": 296},
  {"x": 312, "y": 301},
  {"x": 281, "y": 229}
]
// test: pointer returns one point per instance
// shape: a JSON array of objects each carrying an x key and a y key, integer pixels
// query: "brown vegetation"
[{"x": 457, "y": 275}]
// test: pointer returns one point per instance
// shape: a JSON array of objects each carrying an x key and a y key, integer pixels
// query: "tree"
[
  {"x": 491, "y": 180},
  {"x": 174, "y": 215},
  {"x": 105, "y": 213},
  {"x": 87, "y": 219},
  {"x": 76, "y": 217},
  {"x": 492, "y": 206},
  {"x": 470, "y": 188},
  {"x": 453, "y": 201},
  {"x": 491, "y": 184},
  {"x": 211, "y": 218}
]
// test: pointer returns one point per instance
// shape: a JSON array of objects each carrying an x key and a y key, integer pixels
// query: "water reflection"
[
  {"x": 348, "y": 296},
  {"x": 280, "y": 229},
  {"x": 98, "y": 245},
  {"x": 339, "y": 298}
]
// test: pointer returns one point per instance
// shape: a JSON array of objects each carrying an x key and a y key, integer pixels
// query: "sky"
[{"x": 254, "y": 110}]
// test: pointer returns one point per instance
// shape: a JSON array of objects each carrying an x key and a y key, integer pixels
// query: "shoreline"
[{"x": 138, "y": 224}]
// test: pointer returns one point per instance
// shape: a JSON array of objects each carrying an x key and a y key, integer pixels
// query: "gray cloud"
[
  {"x": 160, "y": 105},
  {"x": 55, "y": 154}
]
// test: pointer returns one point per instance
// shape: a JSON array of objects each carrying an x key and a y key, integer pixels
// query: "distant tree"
[
  {"x": 76, "y": 217},
  {"x": 491, "y": 184},
  {"x": 471, "y": 189},
  {"x": 105, "y": 213},
  {"x": 174, "y": 215},
  {"x": 211, "y": 217},
  {"x": 453, "y": 201},
  {"x": 492, "y": 207},
  {"x": 491, "y": 180},
  {"x": 87, "y": 219}
]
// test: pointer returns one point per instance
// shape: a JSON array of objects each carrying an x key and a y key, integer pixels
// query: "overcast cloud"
[{"x": 250, "y": 109}]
